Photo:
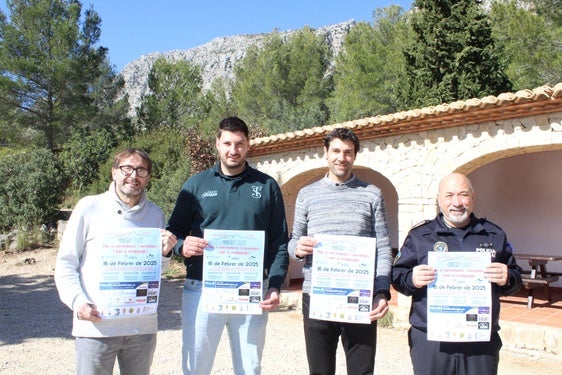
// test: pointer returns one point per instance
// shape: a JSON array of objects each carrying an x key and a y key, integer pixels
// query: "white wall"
[{"x": 523, "y": 195}]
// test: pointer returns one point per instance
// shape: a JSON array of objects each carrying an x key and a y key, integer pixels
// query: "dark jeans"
[
  {"x": 458, "y": 358},
  {"x": 359, "y": 343}
]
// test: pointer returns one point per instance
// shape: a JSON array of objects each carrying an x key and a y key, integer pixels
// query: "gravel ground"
[{"x": 35, "y": 332}]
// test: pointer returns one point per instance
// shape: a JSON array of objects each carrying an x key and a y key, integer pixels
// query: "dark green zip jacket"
[{"x": 251, "y": 200}]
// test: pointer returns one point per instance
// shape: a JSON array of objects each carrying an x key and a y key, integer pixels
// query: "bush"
[
  {"x": 82, "y": 156},
  {"x": 32, "y": 238},
  {"x": 387, "y": 321},
  {"x": 176, "y": 154},
  {"x": 31, "y": 191}
]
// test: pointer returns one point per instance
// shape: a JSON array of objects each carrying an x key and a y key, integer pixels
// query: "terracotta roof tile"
[{"x": 544, "y": 99}]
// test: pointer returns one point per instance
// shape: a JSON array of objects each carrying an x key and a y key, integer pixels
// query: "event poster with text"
[
  {"x": 233, "y": 271},
  {"x": 459, "y": 301},
  {"x": 130, "y": 269},
  {"x": 343, "y": 270}
]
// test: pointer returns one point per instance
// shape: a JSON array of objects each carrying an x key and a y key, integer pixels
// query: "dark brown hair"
[
  {"x": 345, "y": 135},
  {"x": 233, "y": 124},
  {"x": 132, "y": 151}
]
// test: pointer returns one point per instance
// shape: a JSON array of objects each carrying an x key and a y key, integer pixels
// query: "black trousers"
[
  {"x": 453, "y": 358},
  {"x": 359, "y": 343}
]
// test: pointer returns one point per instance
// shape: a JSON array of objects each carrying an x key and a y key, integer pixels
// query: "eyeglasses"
[{"x": 127, "y": 170}]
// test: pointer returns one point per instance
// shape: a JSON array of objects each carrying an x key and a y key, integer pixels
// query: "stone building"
[{"x": 510, "y": 146}]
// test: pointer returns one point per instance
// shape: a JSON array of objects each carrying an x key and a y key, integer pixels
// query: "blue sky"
[{"x": 132, "y": 28}]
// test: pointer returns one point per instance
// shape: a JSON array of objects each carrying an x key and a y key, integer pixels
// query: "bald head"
[{"x": 456, "y": 199}]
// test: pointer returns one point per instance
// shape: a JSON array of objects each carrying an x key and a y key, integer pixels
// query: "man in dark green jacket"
[{"x": 229, "y": 196}]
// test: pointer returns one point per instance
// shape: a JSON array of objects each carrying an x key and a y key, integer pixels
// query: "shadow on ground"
[{"x": 30, "y": 308}]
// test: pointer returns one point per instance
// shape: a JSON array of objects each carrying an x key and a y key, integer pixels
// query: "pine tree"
[
  {"x": 175, "y": 99},
  {"x": 530, "y": 36},
  {"x": 50, "y": 68},
  {"x": 369, "y": 67},
  {"x": 453, "y": 56},
  {"x": 283, "y": 85}
]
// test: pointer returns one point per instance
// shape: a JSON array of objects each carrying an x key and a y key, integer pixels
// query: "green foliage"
[
  {"x": 369, "y": 68},
  {"x": 112, "y": 108},
  {"x": 32, "y": 187},
  {"x": 283, "y": 85},
  {"x": 387, "y": 321},
  {"x": 176, "y": 154},
  {"x": 176, "y": 99},
  {"x": 531, "y": 41},
  {"x": 453, "y": 55},
  {"x": 33, "y": 237},
  {"x": 49, "y": 67},
  {"x": 172, "y": 165},
  {"x": 551, "y": 10},
  {"x": 57, "y": 89},
  {"x": 82, "y": 156},
  {"x": 5, "y": 151}
]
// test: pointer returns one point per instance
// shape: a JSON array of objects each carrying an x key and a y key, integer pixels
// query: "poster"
[
  {"x": 130, "y": 268},
  {"x": 343, "y": 273},
  {"x": 233, "y": 271},
  {"x": 459, "y": 301}
]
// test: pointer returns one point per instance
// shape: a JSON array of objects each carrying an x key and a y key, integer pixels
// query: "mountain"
[{"x": 216, "y": 58}]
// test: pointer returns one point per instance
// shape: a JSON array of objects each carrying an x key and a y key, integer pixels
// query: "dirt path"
[{"x": 35, "y": 332}]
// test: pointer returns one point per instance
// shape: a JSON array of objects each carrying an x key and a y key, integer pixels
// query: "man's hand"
[
  {"x": 193, "y": 246},
  {"x": 380, "y": 307},
  {"x": 169, "y": 240},
  {"x": 88, "y": 311},
  {"x": 497, "y": 273},
  {"x": 271, "y": 300},
  {"x": 422, "y": 275},
  {"x": 305, "y": 246}
]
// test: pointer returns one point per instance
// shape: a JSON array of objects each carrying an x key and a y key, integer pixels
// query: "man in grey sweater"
[{"x": 341, "y": 204}]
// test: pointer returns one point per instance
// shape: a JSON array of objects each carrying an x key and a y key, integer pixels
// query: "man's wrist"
[{"x": 384, "y": 293}]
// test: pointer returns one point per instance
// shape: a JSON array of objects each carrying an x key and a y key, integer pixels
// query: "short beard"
[
  {"x": 456, "y": 219},
  {"x": 131, "y": 193}
]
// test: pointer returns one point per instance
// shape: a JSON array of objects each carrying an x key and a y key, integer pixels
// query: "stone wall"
[{"x": 414, "y": 163}]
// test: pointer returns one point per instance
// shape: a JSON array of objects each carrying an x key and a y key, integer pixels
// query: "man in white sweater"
[{"x": 100, "y": 338}]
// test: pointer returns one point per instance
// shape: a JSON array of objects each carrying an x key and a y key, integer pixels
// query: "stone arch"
[
  {"x": 414, "y": 149},
  {"x": 292, "y": 186},
  {"x": 521, "y": 194}
]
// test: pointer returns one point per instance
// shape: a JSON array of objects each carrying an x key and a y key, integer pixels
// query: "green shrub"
[
  {"x": 32, "y": 238},
  {"x": 171, "y": 152},
  {"x": 82, "y": 156},
  {"x": 6, "y": 151},
  {"x": 31, "y": 190},
  {"x": 386, "y": 321}
]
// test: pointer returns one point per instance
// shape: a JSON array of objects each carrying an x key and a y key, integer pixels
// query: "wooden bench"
[{"x": 532, "y": 281}]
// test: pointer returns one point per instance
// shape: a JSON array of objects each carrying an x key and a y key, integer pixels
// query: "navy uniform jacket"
[{"x": 481, "y": 236}]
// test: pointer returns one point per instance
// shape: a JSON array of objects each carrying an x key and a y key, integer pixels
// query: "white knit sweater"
[{"x": 92, "y": 216}]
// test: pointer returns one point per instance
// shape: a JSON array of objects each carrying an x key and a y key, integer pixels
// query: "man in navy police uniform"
[{"x": 455, "y": 228}]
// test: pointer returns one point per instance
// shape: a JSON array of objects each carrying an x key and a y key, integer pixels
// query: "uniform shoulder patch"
[{"x": 423, "y": 222}]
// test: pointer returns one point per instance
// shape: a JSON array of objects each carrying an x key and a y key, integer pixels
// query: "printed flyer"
[
  {"x": 130, "y": 269},
  {"x": 459, "y": 301},
  {"x": 233, "y": 271},
  {"x": 343, "y": 270}
]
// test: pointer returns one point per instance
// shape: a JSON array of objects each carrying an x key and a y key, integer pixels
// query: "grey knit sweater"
[{"x": 354, "y": 208}]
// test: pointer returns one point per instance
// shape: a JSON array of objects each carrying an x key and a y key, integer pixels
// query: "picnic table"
[{"x": 538, "y": 275}]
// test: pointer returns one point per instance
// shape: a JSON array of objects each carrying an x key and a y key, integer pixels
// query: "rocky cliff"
[{"x": 216, "y": 58}]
